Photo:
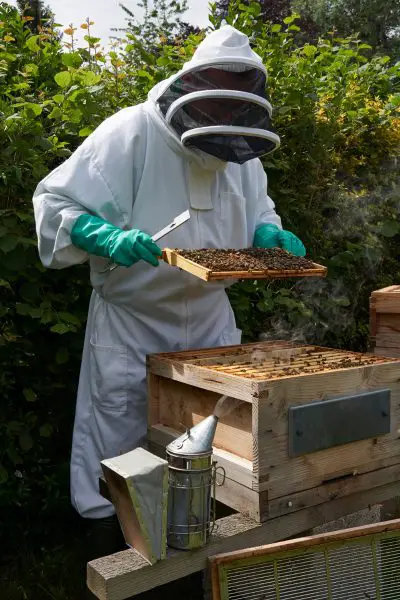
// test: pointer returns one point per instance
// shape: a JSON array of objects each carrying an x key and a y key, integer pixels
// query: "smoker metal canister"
[{"x": 191, "y": 477}]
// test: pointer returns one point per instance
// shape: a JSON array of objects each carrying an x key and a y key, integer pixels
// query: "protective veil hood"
[{"x": 216, "y": 103}]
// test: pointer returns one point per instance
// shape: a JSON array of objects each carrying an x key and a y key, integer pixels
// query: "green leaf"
[
  {"x": 62, "y": 356},
  {"x": 142, "y": 73},
  {"x": 63, "y": 79},
  {"x": 46, "y": 430},
  {"x": 29, "y": 395},
  {"x": 309, "y": 50},
  {"x": 32, "y": 43},
  {"x": 85, "y": 131},
  {"x": 276, "y": 27},
  {"x": 255, "y": 9},
  {"x": 5, "y": 284},
  {"x": 59, "y": 98},
  {"x": 14, "y": 456},
  {"x": 8, "y": 57},
  {"x": 290, "y": 19},
  {"x": 22, "y": 309},
  {"x": 69, "y": 318},
  {"x": 60, "y": 328},
  {"x": 32, "y": 68},
  {"x": 91, "y": 40},
  {"x": 72, "y": 59},
  {"x": 3, "y": 474},
  {"x": 389, "y": 228},
  {"x": 36, "y": 109},
  {"x": 73, "y": 116},
  {"x": 163, "y": 61},
  {"x": 25, "y": 441},
  {"x": 91, "y": 78},
  {"x": 55, "y": 113},
  {"x": 395, "y": 99},
  {"x": 15, "y": 426},
  {"x": 8, "y": 243}
]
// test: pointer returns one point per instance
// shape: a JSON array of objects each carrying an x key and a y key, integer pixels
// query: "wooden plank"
[
  {"x": 367, "y": 376},
  {"x": 387, "y": 352},
  {"x": 221, "y": 383},
  {"x": 181, "y": 406},
  {"x": 386, "y": 300},
  {"x": 317, "y": 271},
  {"x": 173, "y": 258},
  {"x": 176, "y": 260},
  {"x": 386, "y": 290},
  {"x": 308, "y": 542},
  {"x": 238, "y": 468},
  {"x": 351, "y": 484},
  {"x": 215, "y": 587},
  {"x": 390, "y": 321},
  {"x": 125, "y": 574},
  {"x": 388, "y": 337}
]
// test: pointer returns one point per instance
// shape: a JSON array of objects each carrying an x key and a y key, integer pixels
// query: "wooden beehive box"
[
  {"x": 314, "y": 424},
  {"x": 385, "y": 321}
]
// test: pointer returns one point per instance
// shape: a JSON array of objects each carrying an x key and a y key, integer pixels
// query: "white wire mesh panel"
[
  {"x": 364, "y": 568},
  {"x": 252, "y": 583},
  {"x": 352, "y": 572},
  {"x": 388, "y": 551}
]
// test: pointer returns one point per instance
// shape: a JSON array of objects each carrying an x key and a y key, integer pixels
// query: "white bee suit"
[{"x": 134, "y": 172}]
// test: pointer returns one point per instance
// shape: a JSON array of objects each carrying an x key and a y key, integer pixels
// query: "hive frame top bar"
[
  {"x": 277, "y": 348},
  {"x": 173, "y": 258},
  {"x": 198, "y": 367}
]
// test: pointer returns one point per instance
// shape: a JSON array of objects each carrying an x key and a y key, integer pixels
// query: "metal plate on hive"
[{"x": 320, "y": 425}]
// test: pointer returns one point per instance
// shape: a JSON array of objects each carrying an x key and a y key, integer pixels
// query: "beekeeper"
[{"x": 194, "y": 144}]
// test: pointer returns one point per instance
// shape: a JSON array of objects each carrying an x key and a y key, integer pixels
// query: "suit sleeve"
[
  {"x": 266, "y": 212},
  {"x": 97, "y": 179}
]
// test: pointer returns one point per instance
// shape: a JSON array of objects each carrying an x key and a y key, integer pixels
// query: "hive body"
[
  {"x": 314, "y": 424},
  {"x": 385, "y": 321}
]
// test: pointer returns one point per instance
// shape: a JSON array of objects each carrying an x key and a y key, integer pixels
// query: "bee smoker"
[{"x": 192, "y": 476}]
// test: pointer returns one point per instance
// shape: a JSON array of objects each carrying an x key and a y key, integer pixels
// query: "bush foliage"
[{"x": 334, "y": 180}]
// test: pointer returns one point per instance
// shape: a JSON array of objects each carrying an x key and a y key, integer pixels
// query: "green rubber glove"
[
  {"x": 270, "y": 236},
  {"x": 98, "y": 237}
]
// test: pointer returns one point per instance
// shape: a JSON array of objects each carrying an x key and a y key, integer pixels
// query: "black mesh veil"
[{"x": 225, "y": 97}]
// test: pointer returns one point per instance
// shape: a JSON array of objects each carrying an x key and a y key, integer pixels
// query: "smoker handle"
[{"x": 215, "y": 469}]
